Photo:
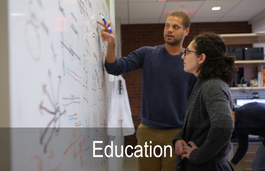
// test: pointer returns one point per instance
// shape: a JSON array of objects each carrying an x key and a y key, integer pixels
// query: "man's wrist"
[{"x": 232, "y": 163}]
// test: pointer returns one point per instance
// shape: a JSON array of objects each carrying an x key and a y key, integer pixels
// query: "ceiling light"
[
  {"x": 216, "y": 8},
  {"x": 17, "y": 14}
]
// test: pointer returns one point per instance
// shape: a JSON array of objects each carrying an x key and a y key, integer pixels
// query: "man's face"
[{"x": 174, "y": 31}]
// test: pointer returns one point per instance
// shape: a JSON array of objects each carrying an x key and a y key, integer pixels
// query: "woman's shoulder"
[
  {"x": 214, "y": 89},
  {"x": 214, "y": 84}
]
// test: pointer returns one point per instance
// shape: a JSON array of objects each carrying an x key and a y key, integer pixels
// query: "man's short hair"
[{"x": 185, "y": 18}]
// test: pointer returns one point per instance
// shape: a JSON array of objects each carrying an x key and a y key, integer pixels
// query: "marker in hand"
[{"x": 109, "y": 28}]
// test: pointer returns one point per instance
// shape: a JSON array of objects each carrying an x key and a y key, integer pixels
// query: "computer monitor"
[{"x": 242, "y": 101}]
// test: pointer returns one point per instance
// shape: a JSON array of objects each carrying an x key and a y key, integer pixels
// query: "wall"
[
  {"x": 4, "y": 100},
  {"x": 259, "y": 26},
  {"x": 4, "y": 95},
  {"x": 135, "y": 36}
]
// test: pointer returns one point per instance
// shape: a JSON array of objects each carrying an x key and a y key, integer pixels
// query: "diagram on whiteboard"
[
  {"x": 60, "y": 90},
  {"x": 56, "y": 111}
]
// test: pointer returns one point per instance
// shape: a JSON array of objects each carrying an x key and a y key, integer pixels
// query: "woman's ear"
[{"x": 202, "y": 58}]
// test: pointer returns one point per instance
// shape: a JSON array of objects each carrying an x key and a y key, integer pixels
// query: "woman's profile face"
[{"x": 191, "y": 59}]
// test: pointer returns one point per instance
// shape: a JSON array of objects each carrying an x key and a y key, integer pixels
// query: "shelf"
[
  {"x": 250, "y": 62},
  {"x": 243, "y": 38},
  {"x": 247, "y": 88}
]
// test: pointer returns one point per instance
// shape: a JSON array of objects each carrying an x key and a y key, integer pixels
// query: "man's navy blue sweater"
[{"x": 165, "y": 85}]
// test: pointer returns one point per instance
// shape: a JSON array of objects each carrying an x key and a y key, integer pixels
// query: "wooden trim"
[
  {"x": 250, "y": 62},
  {"x": 243, "y": 38},
  {"x": 247, "y": 88}
]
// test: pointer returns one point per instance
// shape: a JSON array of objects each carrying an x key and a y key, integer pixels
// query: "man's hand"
[
  {"x": 188, "y": 149},
  {"x": 179, "y": 147},
  {"x": 105, "y": 34},
  {"x": 110, "y": 39}
]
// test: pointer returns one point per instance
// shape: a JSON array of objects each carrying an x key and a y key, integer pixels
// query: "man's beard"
[{"x": 174, "y": 42}]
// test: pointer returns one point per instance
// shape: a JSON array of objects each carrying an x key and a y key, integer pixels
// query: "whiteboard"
[{"x": 59, "y": 90}]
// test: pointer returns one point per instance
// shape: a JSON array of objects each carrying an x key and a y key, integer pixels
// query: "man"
[
  {"x": 165, "y": 88},
  {"x": 250, "y": 119}
]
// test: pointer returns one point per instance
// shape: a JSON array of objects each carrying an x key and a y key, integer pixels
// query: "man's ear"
[
  {"x": 187, "y": 30},
  {"x": 202, "y": 58}
]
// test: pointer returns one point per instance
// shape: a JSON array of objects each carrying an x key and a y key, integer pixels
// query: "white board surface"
[{"x": 59, "y": 90}]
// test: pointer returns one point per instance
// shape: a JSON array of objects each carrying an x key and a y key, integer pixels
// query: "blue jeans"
[{"x": 259, "y": 160}]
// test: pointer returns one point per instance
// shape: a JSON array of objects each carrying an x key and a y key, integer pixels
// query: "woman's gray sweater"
[{"x": 209, "y": 124}]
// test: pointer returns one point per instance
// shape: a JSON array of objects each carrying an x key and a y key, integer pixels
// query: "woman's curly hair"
[{"x": 216, "y": 64}]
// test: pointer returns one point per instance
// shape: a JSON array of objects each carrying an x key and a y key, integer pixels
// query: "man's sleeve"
[
  {"x": 128, "y": 63},
  {"x": 242, "y": 147}
]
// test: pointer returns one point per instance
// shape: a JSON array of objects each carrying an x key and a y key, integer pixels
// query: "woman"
[{"x": 204, "y": 140}]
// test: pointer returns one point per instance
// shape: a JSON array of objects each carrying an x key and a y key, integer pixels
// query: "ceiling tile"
[
  {"x": 189, "y": 7},
  {"x": 204, "y": 19},
  {"x": 121, "y": 10},
  {"x": 124, "y": 21},
  {"x": 142, "y": 0},
  {"x": 163, "y": 21},
  {"x": 234, "y": 18},
  {"x": 121, "y": 1},
  {"x": 149, "y": 21},
  {"x": 247, "y": 8},
  {"x": 206, "y": 9},
  {"x": 145, "y": 10},
  {"x": 220, "y": 0}
]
